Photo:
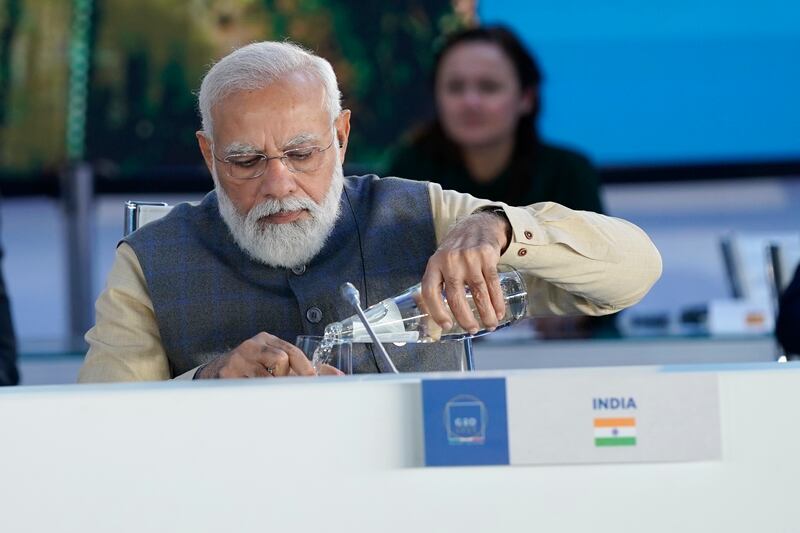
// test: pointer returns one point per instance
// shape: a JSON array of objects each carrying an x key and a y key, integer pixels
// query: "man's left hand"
[{"x": 468, "y": 255}]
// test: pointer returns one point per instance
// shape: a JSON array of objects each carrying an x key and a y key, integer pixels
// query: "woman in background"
[{"x": 484, "y": 140}]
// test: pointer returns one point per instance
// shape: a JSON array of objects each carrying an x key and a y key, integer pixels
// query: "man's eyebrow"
[
  {"x": 303, "y": 138},
  {"x": 240, "y": 148}
]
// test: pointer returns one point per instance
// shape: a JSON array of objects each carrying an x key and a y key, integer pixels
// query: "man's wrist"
[
  {"x": 499, "y": 213},
  {"x": 199, "y": 373},
  {"x": 208, "y": 370}
]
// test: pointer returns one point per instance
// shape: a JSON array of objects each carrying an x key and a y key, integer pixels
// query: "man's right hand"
[{"x": 261, "y": 356}]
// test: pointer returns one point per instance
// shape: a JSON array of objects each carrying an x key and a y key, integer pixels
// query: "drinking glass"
[{"x": 339, "y": 357}]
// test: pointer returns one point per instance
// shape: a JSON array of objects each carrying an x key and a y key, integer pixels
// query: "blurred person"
[
  {"x": 787, "y": 326},
  {"x": 485, "y": 142},
  {"x": 221, "y": 289},
  {"x": 8, "y": 341}
]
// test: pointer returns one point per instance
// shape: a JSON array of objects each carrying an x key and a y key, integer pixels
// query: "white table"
[{"x": 345, "y": 454}]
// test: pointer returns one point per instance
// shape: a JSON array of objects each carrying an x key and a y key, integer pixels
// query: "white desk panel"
[{"x": 345, "y": 454}]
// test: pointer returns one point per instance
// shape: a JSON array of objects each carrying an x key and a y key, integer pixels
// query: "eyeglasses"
[{"x": 252, "y": 165}]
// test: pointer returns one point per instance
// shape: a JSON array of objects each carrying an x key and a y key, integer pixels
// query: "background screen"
[
  {"x": 630, "y": 83},
  {"x": 147, "y": 58},
  {"x": 666, "y": 81}
]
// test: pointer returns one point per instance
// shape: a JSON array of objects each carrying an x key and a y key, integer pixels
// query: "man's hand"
[
  {"x": 261, "y": 356},
  {"x": 468, "y": 255}
]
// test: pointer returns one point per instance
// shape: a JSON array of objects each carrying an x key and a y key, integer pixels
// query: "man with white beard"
[{"x": 221, "y": 289}]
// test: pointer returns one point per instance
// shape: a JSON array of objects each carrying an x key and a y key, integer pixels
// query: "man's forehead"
[
  {"x": 294, "y": 90},
  {"x": 289, "y": 112}
]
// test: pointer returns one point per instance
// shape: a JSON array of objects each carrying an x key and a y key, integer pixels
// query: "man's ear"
[
  {"x": 206, "y": 149},
  {"x": 342, "y": 124}
]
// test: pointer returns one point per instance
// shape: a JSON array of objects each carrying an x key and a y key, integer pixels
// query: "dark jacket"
[
  {"x": 538, "y": 173},
  {"x": 8, "y": 341},
  {"x": 787, "y": 328},
  {"x": 209, "y": 296}
]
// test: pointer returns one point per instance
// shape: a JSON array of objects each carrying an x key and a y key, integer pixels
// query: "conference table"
[{"x": 356, "y": 453}]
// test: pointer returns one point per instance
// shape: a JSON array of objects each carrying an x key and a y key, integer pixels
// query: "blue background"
[
  {"x": 666, "y": 81},
  {"x": 438, "y": 450}
]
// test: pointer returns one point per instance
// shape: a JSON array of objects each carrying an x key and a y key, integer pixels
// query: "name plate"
[
  {"x": 572, "y": 418},
  {"x": 465, "y": 422}
]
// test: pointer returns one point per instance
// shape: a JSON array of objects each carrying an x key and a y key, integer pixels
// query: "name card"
[
  {"x": 465, "y": 422},
  {"x": 572, "y": 418}
]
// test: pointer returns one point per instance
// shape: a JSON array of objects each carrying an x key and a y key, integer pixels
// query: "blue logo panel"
[{"x": 466, "y": 422}]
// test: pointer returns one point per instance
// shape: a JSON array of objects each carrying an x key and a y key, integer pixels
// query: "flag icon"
[{"x": 614, "y": 432}]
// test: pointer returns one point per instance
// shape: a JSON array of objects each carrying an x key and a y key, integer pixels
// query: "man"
[
  {"x": 788, "y": 319},
  {"x": 8, "y": 341},
  {"x": 221, "y": 289}
]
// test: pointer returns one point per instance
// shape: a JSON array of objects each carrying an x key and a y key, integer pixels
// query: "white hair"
[{"x": 258, "y": 65}]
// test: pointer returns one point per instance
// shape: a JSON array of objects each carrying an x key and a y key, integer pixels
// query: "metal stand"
[
  {"x": 469, "y": 358},
  {"x": 77, "y": 192},
  {"x": 351, "y": 294}
]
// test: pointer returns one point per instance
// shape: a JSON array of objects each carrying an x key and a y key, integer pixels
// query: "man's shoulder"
[
  {"x": 395, "y": 198},
  {"x": 370, "y": 183},
  {"x": 181, "y": 214}
]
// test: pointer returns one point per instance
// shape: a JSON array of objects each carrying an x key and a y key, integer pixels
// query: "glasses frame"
[{"x": 265, "y": 159}]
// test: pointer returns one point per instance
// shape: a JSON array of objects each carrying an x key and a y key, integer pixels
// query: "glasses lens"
[
  {"x": 246, "y": 166},
  {"x": 304, "y": 159}
]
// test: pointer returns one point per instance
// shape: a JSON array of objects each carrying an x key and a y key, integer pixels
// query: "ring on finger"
[{"x": 271, "y": 370}]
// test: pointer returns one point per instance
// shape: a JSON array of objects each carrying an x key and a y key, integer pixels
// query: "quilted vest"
[{"x": 209, "y": 296}]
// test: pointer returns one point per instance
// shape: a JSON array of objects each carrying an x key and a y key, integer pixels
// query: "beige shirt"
[{"x": 574, "y": 262}]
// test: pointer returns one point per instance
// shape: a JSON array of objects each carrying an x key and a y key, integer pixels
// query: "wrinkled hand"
[
  {"x": 261, "y": 356},
  {"x": 468, "y": 255},
  {"x": 329, "y": 370}
]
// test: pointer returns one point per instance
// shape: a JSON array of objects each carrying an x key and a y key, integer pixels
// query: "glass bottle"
[{"x": 403, "y": 318}]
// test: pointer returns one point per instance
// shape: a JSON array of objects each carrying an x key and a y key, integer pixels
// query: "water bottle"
[{"x": 403, "y": 318}]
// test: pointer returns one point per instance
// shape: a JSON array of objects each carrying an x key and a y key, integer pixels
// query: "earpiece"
[{"x": 363, "y": 266}]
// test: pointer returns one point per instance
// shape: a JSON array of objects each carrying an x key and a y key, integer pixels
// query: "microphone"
[{"x": 352, "y": 296}]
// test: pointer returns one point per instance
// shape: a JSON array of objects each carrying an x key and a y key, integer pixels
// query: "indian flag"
[{"x": 615, "y": 432}]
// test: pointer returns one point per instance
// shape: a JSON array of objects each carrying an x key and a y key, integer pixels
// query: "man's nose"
[{"x": 277, "y": 181}]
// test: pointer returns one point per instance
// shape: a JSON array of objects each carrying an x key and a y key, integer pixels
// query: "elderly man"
[{"x": 221, "y": 289}]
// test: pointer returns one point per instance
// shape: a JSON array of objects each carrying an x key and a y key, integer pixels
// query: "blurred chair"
[
  {"x": 757, "y": 276},
  {"x": 782, "y": 262},
  {"x": 138, "y": 214},
  {"x": 760, "y": 267},
  {"x": 752, "y": 272}
]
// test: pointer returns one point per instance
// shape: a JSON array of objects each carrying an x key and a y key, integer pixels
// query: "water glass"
[{"x": 340, "y": 357}]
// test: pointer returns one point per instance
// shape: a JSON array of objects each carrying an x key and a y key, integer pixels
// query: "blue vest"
[{"x": 209, "y": 296}]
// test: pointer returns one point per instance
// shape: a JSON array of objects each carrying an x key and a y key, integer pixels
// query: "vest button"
[
  {"x": 522, "y": 252},
  {"x": 528, "y": 235},
  {"x": 314, "y": 315},
  {"x": 299, "y": 270}
]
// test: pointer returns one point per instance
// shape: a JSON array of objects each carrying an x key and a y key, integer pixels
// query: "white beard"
[{"x": 283, "y": 245}]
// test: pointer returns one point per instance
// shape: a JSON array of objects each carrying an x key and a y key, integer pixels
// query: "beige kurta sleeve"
[
  {"x": 574, "y": 262},
  {"x": 125, "y": 344}
]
